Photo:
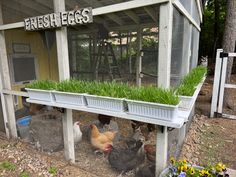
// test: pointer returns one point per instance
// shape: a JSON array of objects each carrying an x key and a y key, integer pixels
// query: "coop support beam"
[
  {"x": 165, "y": 41},
  {"x": 4, "y": 109},
  {"x": 182, "y": 134},
  {"x": 133, "y": 16},
  {"x": 161, "y": 149},
  {"x": 64, "y": 73},
  {"x": 215, "y": 92},
  {"x": 151, "y": 13},
  {"x": 139, "y": 58},
  {"x": 8, "y": 106}
]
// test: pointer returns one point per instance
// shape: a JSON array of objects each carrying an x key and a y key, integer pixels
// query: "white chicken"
[{"x": 77, "y": 132}]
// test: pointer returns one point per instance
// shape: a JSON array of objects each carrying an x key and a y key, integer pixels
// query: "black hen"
[
  {"x": 146, "y": 171},
  {"x": 127, "y": 159},
  {"x": 104, "y": 119}
]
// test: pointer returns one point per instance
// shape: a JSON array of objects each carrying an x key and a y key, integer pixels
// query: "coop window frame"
[{"x": 12, "y": 72}]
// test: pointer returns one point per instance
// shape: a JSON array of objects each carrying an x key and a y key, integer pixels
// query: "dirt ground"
[{"x": 208, "y": 141}]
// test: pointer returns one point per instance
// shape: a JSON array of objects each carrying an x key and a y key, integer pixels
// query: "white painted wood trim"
[
  {"x": 139, "y": 58},
  {"x": 4, "y": 110},
  {"x": 165, "y": 44},
  {"x": 232, "y": 54},
  {"x": 6, "y": 83},
  {"x": 229, "y": 116},
  {"x": 12, "y": 25},
  {"x": 64, "y": 73},
  {"x": 67, "y": 123},
  {"x": 161, "y": 149},
  {"x": 125, "y": 6},
  {"x": 215, "y": 92},
  {"x": 230, "y": 86},
  {"x": 13, "y": 92},
  {"x": 181, "y": 8},
  {"x": 222, "y": 85},
  {"x": 181, "y": 136}
]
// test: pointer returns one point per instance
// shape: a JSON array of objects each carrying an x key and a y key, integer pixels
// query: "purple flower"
[{"x": 182, "y": 174}]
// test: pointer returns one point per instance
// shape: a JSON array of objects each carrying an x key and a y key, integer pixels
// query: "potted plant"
[
  {"x": 107, "y": 95},
  {"x": 182, "y": 168},
  {"x": 191, "y": 86},
  {"x": 70, "y": 92},
  {"x": 41, "y": 90},
  {"x": 153, "y": 102}
]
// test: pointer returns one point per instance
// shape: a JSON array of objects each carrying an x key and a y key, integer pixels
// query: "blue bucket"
[
  {"x": 24, "y": 121},
  {"x": 22, "y": 125}
]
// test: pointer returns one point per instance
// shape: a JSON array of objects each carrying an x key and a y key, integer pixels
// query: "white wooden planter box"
[
  {"x": 69, "y": 98},
  {"x": 106, "y": 103},
  {"x": 186, "y": 102},
  {"x": 152, "y": 110},
  {"x": 42, "y": 95}
]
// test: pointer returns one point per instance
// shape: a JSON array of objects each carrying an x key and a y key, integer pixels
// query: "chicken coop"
[{"x": 140, "y": 42}]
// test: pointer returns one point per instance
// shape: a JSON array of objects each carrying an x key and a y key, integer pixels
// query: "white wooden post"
[
  {"x": 64, "y": 73},
  {"x": 7, "y": 100},
  {"x": 139, "y": 58},
  {"x": 4, "y": 110},
  {"x": 165, "y": 42},
  {"x": 161, "y": 149},
  {"x": 215, "y": 92},
  {"x": 222, "y": 84},
  {"x": 164, "y": 64}
]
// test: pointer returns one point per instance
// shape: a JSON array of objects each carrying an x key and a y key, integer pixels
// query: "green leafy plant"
[
  {"x": 156, "y": 95},
  {"x": 52, "y": 170},
  {"x": 7, "y": 165},
  {"x": 43, "y": 85},
  {"x": 75, "y": 86},
  {"x": 189, "y": 83}
]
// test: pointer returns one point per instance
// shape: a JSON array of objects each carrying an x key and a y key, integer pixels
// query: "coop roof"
[{"x": 114, "y": 14}]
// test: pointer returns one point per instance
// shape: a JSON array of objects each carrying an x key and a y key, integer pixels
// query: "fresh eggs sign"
[{"x": 55, "y": 20}]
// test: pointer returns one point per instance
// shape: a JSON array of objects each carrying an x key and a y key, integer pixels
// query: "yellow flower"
[
  {"x": 172, "y": 160},
  {"x": 204, "y": 172},
  {"x": 185, "y": 161},
  {"x": 220, "y": 167},
  {"x": 192, "y": 171},
  {"x": 185, "y": 167}
]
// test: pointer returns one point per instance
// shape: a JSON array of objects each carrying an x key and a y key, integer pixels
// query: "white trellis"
[{"x": 220, "y": 84}]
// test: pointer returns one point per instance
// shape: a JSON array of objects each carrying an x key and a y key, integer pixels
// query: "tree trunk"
[
  {"x": 216, "y": 27},
  {"x": 229, "y": 40}
]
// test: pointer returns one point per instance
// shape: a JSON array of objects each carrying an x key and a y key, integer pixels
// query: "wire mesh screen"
[
  {"x": 195, "y": 13},
  {"x": 194, "y": 48},
  {"x": 187, "y": 4},
  {"x": 177, "y": 47},
  {"x": 114, "y": 58}
]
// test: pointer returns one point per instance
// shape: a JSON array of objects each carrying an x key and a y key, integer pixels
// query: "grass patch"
[
  {"x": 7, "y": 165},
  {"x": 52, "y": 170},
  {"x": 74, "y": 86},
  {"x": 189, "y": 83},
  {"x": 24, "y": 174},
  {"x": 155, "y": 95},
  {"x": 43, "y": 85}
]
